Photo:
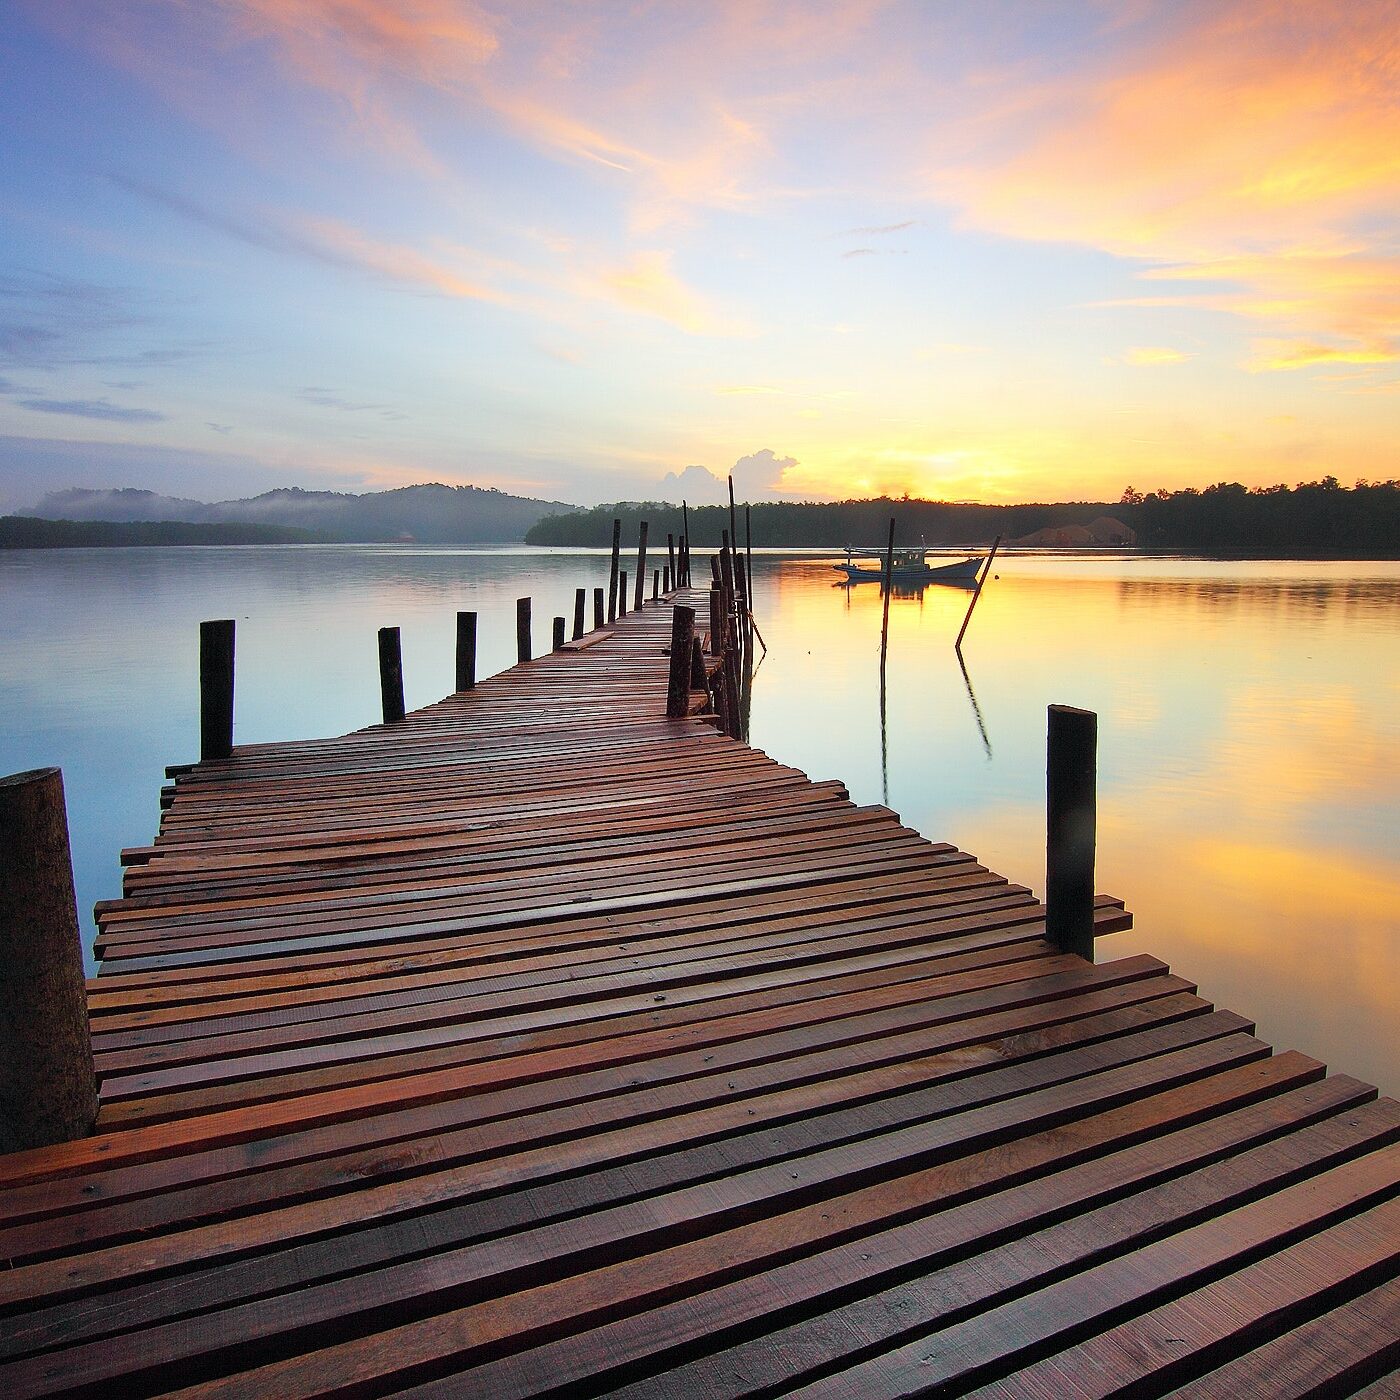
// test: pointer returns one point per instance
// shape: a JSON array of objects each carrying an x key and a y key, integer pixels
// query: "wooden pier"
[{"x": 539, "y": 1044}]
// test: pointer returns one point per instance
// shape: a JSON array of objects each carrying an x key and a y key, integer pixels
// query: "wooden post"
[
  {"x": 667, "y": 586},
  {"x": 671, "y": 560},
  {"x": 466, "y": 651},
  {"x": 580, "y": 600},
  {"x": 739, "y": 592},
  {"x": 748, "y": 559},
  {"x": 641, "y": 566},
  {"x": 697, "y": 663},
  {"x": 522, "y": 629},
  {"x": 726, "y": 574},
  {"x": 558, "y": 638},
  {"x": 598, "y": 615},
  {"x": 716, "y": 619},
  {"x": 976, "y": 594},
  {"x": 622, "y": 594},
  {"x": 612, "y": 571},
  {"x": 48, "y": 1088},
  {"x": 678, "y": 680},
  {"x": 888, "y": 589},
  {"x": 656, "y": 585},
  {"x": 390, "y": 675},
  {"x": 216, "y": 690},
  {"x": 685, "y": 536},
  {"x": 1071, "y": 751}
]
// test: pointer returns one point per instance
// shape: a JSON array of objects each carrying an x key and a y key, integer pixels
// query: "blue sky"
[{"x": 996, "y": 251}]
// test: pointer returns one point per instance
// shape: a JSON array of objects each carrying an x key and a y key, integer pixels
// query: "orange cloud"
[
  {"x": 1253, "y": 143},
  {"x": 1301, "y": 354},
  {"x": 648, "y": 285}
]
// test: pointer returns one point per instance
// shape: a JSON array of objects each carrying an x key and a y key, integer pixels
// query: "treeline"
[
  {"x": 834, "y": 524},
  {"x": 1314, "y": 516},
  {"x": 25, "y": 532},
  {"x": 1322, "y": 517}
]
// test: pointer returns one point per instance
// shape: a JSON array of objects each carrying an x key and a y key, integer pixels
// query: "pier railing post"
[
  {"x": 1071, "y": 753},
  {"x": 48, "y": 1089},
  {"x": 391, "y": 674},
  {"x": 613, "y": 569},
  {"x": 466, "y": 651},
  {"x": 641, "y": 568},
  {"x": 697, "y": 663},
  {"x": 216, "y": 689},
  {"x": 580, "y": 602},
  {"x": 622, "y": 594},
  {"x": 656, "y": 585},
  {"x": 522, "y": 629},
  {"x": 598, "y": 616},
  {"x": 678, "y": 681},
  {"x": 557, "y": 640}
]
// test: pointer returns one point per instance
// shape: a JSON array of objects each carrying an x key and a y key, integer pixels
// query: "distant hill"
[
  {"x": 428, "y": 514},
  {"x": 27, "y": 532}
]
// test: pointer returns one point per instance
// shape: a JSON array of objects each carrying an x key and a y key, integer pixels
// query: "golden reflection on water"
[{"x": 1249, "y": 742}]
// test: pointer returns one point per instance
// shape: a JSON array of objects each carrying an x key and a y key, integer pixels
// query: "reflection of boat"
[{"x": 910, "y": 566}]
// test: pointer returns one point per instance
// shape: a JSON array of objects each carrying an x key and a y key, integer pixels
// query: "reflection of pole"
[
  {"x": 888, "y": 589},
  {"x": 977, "y": 593},
  {"x": 884, "y": 745},
  {"x": 976, "y": 708}
]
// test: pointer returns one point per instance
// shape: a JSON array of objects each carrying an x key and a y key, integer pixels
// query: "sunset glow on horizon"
[{"x": 997, "y": 251}]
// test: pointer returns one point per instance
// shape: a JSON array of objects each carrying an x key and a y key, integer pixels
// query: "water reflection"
[{"x": 1249, "y": 723}]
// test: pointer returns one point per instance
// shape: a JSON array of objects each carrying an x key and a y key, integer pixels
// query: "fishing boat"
[{"x": 910, "y": 566}]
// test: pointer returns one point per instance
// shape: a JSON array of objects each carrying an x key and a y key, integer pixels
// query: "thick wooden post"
[
  {"x": 641, "y": 566},
  {"x": 466, "y": 651},
  {"x": 678, "y": 680},
  {"x": 580, "y": 600},
  {"x": 656, "y": 585},
  {"x": 558, "y": 637},
  {"x": 522, "y": 629},
  {"x": 48, "y": 1089},
  {"x": 716, "y": 619},
  {"x": 598, "y": 614},
  {"x": 390, "y": 675},
  {"x": 622, "y": 594},
  {"x": 670, "y": 560},
  {"x": 685, "y": 536},
  {"x": 612, "y": 570},
  {"x": 667, "y": 586},
  {"x": 1071, "y": 752},
  {"x": 216, "y": 689}
]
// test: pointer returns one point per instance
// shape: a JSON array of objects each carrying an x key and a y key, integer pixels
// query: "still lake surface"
[{"x": 1249, "y": 723}]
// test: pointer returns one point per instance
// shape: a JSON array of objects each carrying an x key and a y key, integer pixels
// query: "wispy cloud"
[
  {"x": 100, "y": 409},
  {"x": 1302, "y": 354},
  {"x": 646, "y": 284},
  {"x": 870, "y": 229},
  {"x": 1146, "y": 356}
]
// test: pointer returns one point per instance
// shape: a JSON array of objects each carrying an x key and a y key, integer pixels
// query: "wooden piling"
[
  {"x": 685, "y": 537},
  {"x": 391, "y": 675},
  {"x": 466, "y": 651},
  {"x": 622, "y": 594},
  {"x": 216, "y": 690},
  {"x": 522, "y": 629},
  {"x": 580, "y": 602},
  {"x": 716, "y": 619},
  {"x": 641, "y": 566},
  {"x": 671, "y": 561},
  {"x": 560, "y": 625},
  {"x": 656, "y": 585},
  {"x": 598, "y": 604},
  {"x": 748, "y": 561},
  {"x": 48, "y": 1088},
  {"x": 678, "y": 677},
  {"x": 1070, "y": 820},
  {"x": 613, "y": 569}
]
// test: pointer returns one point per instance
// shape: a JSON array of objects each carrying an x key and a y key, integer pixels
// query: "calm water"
[{"x": 1249, "y": 724}]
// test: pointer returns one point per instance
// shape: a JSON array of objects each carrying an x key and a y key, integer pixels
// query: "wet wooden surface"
[{"x": 541, "y": 1045}]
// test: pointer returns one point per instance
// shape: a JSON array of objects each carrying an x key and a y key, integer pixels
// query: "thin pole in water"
[{"x": 977, "y": 593}]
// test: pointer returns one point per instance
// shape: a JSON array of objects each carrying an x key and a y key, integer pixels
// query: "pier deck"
[{"x": 541, "y": 1045}]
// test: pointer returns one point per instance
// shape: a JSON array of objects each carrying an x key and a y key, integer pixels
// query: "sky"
[{"x": 996, "y": 250}]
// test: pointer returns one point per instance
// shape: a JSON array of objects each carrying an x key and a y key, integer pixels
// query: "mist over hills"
[{"x": 428, "y": 514}]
